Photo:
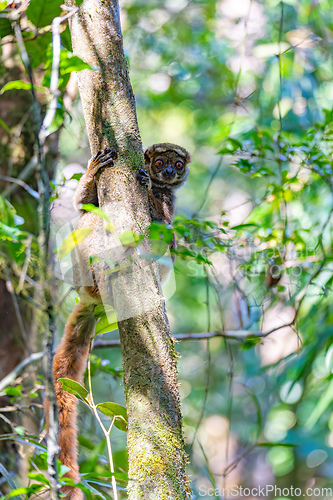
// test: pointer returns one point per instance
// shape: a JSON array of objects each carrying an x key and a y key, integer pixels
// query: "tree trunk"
[{"x": 155, "y": 441}]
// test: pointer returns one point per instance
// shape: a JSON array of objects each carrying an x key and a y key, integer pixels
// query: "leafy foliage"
[{"x": 41, "y": 14}]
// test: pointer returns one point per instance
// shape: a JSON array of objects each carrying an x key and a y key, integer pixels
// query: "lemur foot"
[
  {"x": 143, "y": 177},
  {"x": 102, "y": 159}
]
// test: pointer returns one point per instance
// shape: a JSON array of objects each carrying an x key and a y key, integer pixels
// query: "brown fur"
[
  {"x": 161, "y": 193},
  {"x": 86, "y": 191},
  {"x": 70, "y": 362},
  {"x": 71, "y": 356}
]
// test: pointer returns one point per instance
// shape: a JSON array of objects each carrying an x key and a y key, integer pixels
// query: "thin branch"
[
  {"x": 10, "y": 289},
  {"x": 20, "y": 183},
  {"x": 54, "y": 84},
  {"x": 25, "y": 265},
  {"x": 24, "y": 174},
  {"x": 279, "y": 159},
  {"x": 248, "y": 449},
  {"x": 9, "y": 480},
  {"x": 230, "y": 334},
  {"x": 10, "y": 378},
  {"x": 26, "y": 62},
  {"x": 210, "y": 182},
  {"x": 229, "y": 401},
  {"x": 105, "y": 432},
  {"x": 11, "y": 409},
  {"x": 62, "y": 300},
  {"x": 38, "y": 32},
  {"x": 9, "y": 422}
]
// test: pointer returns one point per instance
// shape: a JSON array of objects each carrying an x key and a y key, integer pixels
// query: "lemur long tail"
[{"x": 70, "y": 362}]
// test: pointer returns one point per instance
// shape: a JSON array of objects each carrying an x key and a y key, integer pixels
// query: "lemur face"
[{"x": 167, "y": 164}]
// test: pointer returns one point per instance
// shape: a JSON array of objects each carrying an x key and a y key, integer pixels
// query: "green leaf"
[
  {"x": 42, "y": 13},
  {"x": 68, "y": 63},
  {"x": 37, "y": 476},
  {"x": 74, "y": 239},
  {"x": 63, "y": 470},
  {"x": 34, "y": 488},
  {"x": 72, "y": 63},
  {"x": 38, "y": 49},
  {"x": 114, "y": 410},
  {"x": 3, "y": 4},
  {"x": 70, "y": 482},
  {"x": 272, "y": 445},
  {"x": 76, "y": 177},
  {"x": 257, "y": 407},
  {"x": 242, "y": 226},
  {"x": 83, "y": 441},
  {"x": 130, "y": 239},
  {"x": 159, "y": 231},
  {"x": 19, "y": 430},
  {"x": 100, "y": 478},
  {"x": 7, "y": 212},
  {"x": 57, "y": 121},
  {"x": 231, "y": 146},
  {"x": 324, "y": 402},
  {"x": 14, "y": 391},
  {"x": 5, "y": 28},
  {"x": 89, "y": 207},
  {"x": 74, "y": 388},
  {"x": 18, "y": 491},
  {"x": 3, "y": 125},
  {"x": 20, "y": 85},
  {"x": 66, "y": 40},
  {"x": 106, "y": 319},
  {"x": 250, "y": 342},
  {"x": 92, "y": 489},
  {"x": 8, "y": 478}
]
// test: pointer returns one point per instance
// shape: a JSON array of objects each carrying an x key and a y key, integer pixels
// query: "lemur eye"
[
  {"x": 179, "y": 165},
  {"x": 159, "y": 163}
]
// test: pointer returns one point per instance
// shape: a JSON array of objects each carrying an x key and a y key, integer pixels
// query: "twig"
[
  {"x": 38, "y": 32},
  {"x": 229, "y": 402},
  {"x": 8, "y": 422},
  {"x": 105, "y": 432},
  {"x": 28, "y": 169},
  {"x": 205, "y": 195},
  {"x": 20, "y": 183},
  {"x": 10, "y": 378},
  {"x": 248, "y": 449},
  {"x": 10, "y": 409},
  {"x": 62, "y": 300},
  {"x": 9, "y": 480},
  {"x": 26, "y": 264},
  {"x": 279, "y": 159},
  {"x": 54, "y": 84},
  {"x": 230, "y": 334},
  {"x": 10, "y": 289}
]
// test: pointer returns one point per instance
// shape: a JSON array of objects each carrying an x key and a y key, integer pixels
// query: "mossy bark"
[{"x": 155, "y": 441}]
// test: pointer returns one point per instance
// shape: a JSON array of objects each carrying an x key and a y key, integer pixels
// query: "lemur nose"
[{"x": 170, "y": 172}]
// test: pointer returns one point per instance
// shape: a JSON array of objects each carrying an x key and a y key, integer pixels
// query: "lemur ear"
[
  {"x": 148, "y": 154},
  {"x": 188, "y": 157}
]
